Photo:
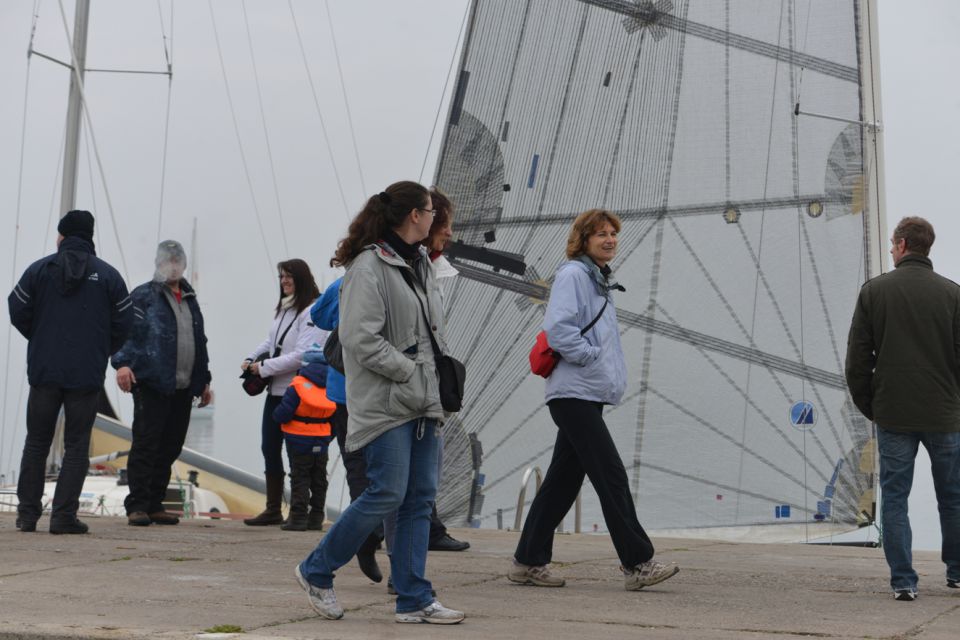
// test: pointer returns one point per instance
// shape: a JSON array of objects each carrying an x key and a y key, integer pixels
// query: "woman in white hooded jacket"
[{"x": 278, "y": 358}]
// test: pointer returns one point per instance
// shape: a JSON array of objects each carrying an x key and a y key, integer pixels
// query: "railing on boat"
[{"x": 521, "y": 499}]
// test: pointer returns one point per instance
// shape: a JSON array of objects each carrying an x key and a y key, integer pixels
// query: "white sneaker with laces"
[
  {"x": 647, "y": 574},
  {"x": 433, "y": 613},
  {"x": 323, "y": 601}
]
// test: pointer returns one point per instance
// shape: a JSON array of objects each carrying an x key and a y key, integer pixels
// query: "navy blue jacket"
[
  {"x": 315, "y": 372},
  {"x": 151, "y": 349},
  {"x": 74, "y": 310}
]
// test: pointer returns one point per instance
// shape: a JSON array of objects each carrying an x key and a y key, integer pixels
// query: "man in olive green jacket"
[{"x": 903, "y": 371}]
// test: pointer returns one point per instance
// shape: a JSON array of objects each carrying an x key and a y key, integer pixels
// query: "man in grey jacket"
[{"x": 903, "y": 370}]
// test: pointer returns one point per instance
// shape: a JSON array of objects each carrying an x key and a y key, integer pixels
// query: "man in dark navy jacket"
[
  {"x": 164, "y": 364},
  {"x": 74, "y": 310}
]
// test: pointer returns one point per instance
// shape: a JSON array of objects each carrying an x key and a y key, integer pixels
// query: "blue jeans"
[
  {"x": 897, "y": 453},
  {"x": 402, "y": 470}
]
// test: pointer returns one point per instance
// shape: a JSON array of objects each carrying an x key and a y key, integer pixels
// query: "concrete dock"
[{"x": 198, "y": 578}]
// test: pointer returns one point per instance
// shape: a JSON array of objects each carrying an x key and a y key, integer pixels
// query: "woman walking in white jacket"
[{"x": 278, "y": 357}]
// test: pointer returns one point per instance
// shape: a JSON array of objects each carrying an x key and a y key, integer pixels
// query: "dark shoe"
[
  {"x": 27, "y": 526},
  {"x": 905, "y": 595},
  {"x": 446, "y": 543},
  {"x": 296, "y": 522},
  {"x": 315, "y": 521},
  {"x": 162, "y": 517},
  {"x": 138, "y": 519},
  {"x": 271, "y": 515},
  {"x": 367, "y": 559},
  {"x": 68, "y": 527},
  {"x": 953, "y": 584}
]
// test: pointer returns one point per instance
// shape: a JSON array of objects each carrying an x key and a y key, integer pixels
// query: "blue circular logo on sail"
[{"x": 803, "y": 415}]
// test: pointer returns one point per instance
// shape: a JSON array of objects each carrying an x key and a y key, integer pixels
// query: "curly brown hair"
[
  {"x": 383, "y": 211},
  {"x": 586, "y": 224}
]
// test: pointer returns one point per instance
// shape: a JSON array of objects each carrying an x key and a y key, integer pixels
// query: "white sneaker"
[
  {"x": 433, "y": 613},
  {"x": 647, "y": 574},
  {"x": 323, "y": 601}
]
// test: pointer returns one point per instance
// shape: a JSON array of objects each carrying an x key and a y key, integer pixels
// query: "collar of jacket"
[
  {"x": 186, "y": 291},
  {"x": 915, "y": 260},
  {"x": 600, "y": 276},
  {"x": 387, "y": 253},
  {"x": 78, "y": 244}
]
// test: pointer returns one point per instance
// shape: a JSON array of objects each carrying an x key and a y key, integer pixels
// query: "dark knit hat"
[{"x": 77, "y": 223}]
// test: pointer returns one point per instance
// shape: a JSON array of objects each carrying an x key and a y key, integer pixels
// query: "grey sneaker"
[
  {"x": 905, "y": 595},
  {"x": 433, "y": 613},
  {"x": 648, "y": 573},
  {"x": 538, "y": 576},
  {"x": 323, "y": 601}
]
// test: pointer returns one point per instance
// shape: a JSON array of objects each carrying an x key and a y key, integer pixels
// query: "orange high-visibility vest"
[{"x": 313, "y": 414}]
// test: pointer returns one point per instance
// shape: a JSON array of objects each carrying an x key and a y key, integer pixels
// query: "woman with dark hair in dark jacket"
[{"x": 278, "y": 357}]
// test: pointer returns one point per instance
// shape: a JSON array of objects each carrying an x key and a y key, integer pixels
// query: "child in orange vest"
[{"x": 304, "y": 417}]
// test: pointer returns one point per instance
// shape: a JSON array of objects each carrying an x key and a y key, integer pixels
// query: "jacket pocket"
[{"x": 415, "y": 395}]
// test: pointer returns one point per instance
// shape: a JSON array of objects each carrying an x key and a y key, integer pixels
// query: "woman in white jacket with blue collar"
[
  {"x": 591, "y": 373},
  {"x": 292, "y": 332}
]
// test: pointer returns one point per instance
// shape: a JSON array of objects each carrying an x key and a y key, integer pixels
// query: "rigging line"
[
  {"x": 93, "y": 138},
  {"x": 316, "y": 103},
  {"x": 443, "y": 93},
  {"x": 16, "y": 227},
  {"x": 236, "y": 131},
  {"x": 266, "y": 133},
  {"x": 346, "y": 103},
  {"x": 168, "y": 55}
]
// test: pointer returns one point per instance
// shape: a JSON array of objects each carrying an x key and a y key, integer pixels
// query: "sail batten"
[{"x": 748, "y": 228}]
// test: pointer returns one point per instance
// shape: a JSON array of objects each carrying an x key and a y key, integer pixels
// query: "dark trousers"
[
  {"x": 159, "y": 428},
  {"x": 308, "y": 481},
  {"x": 584, "y": 447},
  {"x": 43, "y": 408},
  {"x": 271, "y": 438}
]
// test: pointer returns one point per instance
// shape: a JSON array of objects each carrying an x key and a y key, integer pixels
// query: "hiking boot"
[
  {"x": 315, "y": 520},
  {"x": 953, "y": 584},
  {"x": 295, "y": 522},
  {"x": 138, "y": 519},
  {"x": 323, "y": 601},
  {"x": 162, "y": 517},
  {"x": 538, "y": 576},
  {"x": 433, "y": 613},
  {"x": 74, "y": 526},
  {"x": 647, "y": 574},
  {"x": 448, "y": 543},
  {"x": 27, "y": 526},
  {"x": 905, "y": 595}
]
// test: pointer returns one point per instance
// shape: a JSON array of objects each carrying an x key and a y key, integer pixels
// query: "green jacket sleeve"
[{"x": 861, "y": 357}]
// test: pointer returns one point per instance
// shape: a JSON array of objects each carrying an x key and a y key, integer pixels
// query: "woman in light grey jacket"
[
  {"x": 581, "y": 326},
  {"x": 389, "y": 307}
]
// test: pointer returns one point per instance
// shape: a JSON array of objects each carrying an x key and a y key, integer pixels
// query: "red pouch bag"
[{"x": 542, "y": 358}]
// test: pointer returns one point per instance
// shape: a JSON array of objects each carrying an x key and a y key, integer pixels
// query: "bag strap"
[
  {"x": 594, "y": 321},
  {"x": 433, "y": 341},
  {"x": 278, "y": 345}
]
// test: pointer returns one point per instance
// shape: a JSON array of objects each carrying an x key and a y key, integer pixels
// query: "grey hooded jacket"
[{"x": 387, "y": 355}]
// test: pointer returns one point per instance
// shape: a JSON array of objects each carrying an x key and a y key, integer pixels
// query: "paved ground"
[{"x": 177, "y": 582}]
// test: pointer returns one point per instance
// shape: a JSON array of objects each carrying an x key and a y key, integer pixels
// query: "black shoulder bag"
[{"x": 450, "y": 371}]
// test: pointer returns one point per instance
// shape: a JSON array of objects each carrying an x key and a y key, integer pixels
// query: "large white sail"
[{"x": 737, "y": 140}]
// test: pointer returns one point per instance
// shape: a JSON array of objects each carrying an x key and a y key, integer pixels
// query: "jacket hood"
[
  {"x": 315, "y": 372},
  {"x": 328, "y": 308},
  {"x": 72, "y": 258}
]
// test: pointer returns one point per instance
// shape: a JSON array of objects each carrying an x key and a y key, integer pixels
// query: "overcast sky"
[{"x": 395, "y": 56}]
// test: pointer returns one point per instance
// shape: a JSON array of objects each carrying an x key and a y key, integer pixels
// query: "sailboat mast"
[
  {"x": 875, "y": 210},
  {"x": 68, "y": 190}
]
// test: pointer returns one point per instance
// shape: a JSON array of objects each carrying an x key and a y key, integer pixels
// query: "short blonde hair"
[{"x": 586, "y": 224}]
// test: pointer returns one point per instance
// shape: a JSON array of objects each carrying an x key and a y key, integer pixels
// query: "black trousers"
[
  {"x": 43, "y": 408},
  {"x": 159, "y": 428},
  {"x": 584, "y": 447}
]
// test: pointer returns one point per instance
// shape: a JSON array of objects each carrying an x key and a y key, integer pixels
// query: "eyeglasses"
[
  {"x": 432, "y": 212},
  {"x": 285, "y": 276}
]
